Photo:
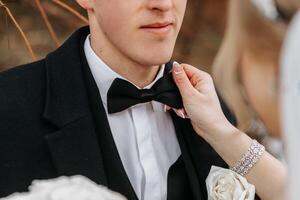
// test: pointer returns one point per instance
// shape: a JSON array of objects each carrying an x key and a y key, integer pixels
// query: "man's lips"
[
  {"x": 160, "y": 29},
  {"x": 157, "y": 25}
]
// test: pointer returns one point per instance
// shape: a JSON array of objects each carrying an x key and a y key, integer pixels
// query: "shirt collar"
[{"x": 104, "y": 75}]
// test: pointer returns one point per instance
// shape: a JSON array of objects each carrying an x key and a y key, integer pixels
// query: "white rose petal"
[
  {"x": 66, "y": 188},
  {"x": 225, "y": 184}
]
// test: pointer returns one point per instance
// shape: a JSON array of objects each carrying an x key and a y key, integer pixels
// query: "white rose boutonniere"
[
  {"x": 66, "y": 188},
  {"x": 225, "y": 184}
]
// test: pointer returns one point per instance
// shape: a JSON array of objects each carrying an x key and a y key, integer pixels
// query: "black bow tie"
[{"x": 122, "y": 94}]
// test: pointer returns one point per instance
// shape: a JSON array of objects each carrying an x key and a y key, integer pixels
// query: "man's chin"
[
  {"x": 156, "y": 61},
  {"x": 158, "y": 57}
]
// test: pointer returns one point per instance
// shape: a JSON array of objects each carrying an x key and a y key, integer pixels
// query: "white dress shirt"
[{"x": 144, "y": 135}]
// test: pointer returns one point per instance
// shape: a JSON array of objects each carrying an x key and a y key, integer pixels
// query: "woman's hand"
[
  {"x": 200, "y": 101},
  {"x": 202, "y": 105}
]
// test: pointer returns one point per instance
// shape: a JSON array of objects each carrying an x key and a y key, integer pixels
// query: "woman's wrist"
[
  {"x": 217, "y": 131},
  {"x": 229, "y": 142}
]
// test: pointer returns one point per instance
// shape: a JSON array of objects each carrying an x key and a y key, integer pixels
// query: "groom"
[{"x": 61, "y": 116}]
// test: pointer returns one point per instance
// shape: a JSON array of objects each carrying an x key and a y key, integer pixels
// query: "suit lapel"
[
  {"x": 74, "y": 150},
  {"x": 83, "y": 143},
  {"x": 73, "y": 146}
]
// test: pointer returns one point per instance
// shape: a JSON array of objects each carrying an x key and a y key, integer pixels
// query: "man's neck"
[{"x": 136, "y": 73}]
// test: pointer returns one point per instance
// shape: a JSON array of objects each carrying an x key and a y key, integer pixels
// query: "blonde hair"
[{"x": 247, "y": 29}]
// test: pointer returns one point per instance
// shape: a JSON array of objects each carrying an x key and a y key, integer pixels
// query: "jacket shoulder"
[
  {"x": 22, "y": 88},
  {"x": 8, "y": 77}
]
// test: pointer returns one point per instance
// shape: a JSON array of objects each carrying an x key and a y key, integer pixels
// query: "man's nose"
[{"x": 160, "y": 5}]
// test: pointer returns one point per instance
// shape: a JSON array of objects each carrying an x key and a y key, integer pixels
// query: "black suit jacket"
[{"x": 47, "y": 127}]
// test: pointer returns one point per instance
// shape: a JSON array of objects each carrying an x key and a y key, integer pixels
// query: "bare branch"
[
  {"x": 71, "y": 10},
  {"x": 28, "y": 45},
  {"x": 47, "y": 22}
]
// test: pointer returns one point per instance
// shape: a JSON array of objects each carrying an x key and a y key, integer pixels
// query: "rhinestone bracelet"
[{"x": 249, "y": 159}]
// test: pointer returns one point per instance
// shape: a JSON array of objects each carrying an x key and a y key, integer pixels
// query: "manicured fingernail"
[
  {"x": 182, "y": 114},
  {"x": 177, "y": 68},
  {"x": 179, "y": 113},
  {"x": 185, "y": 113}
]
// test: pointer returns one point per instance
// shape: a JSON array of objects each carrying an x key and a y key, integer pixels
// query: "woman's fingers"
[
  {"x": 190, "y": 70},
  {"x": 195, "y": 75},
  {"x": 182, "y": 81},
  {"x": 181, "y": 113}
]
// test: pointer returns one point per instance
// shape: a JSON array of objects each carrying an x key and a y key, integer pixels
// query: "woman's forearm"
[{"x": 268, "y": 175}]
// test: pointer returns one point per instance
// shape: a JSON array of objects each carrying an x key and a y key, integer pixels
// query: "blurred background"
[
  {"x": 250, "y": 89},
  {"x": 197, "y": 44}
]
